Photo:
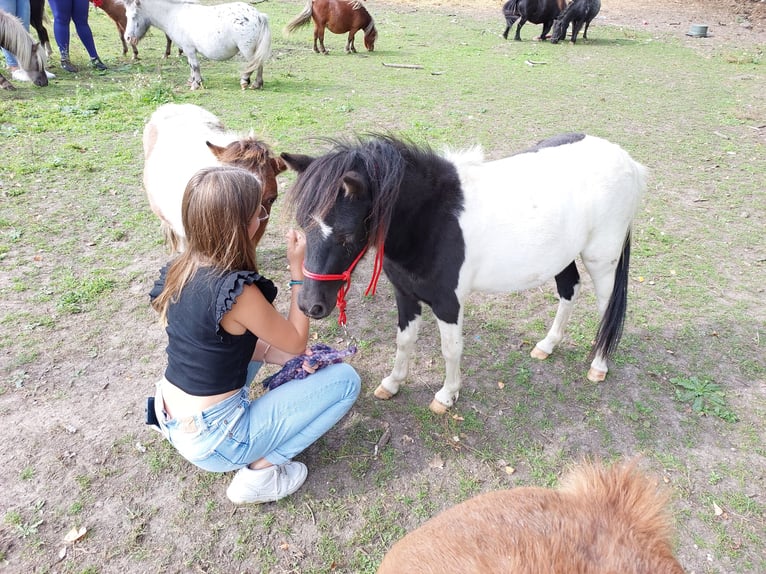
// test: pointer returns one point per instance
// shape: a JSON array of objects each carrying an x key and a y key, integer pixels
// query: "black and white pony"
[{"x": 446, "y": 225}]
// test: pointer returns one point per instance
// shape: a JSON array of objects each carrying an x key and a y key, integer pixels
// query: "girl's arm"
[{"x": 252, "y": 311}]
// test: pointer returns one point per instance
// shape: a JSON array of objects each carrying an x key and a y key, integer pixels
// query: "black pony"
[
  {"x": 536, "y": 11},
  {"x": 578, "y": 12}
]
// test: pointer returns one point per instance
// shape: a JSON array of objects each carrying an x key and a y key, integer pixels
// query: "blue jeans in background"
[{"x": 276, "y": 426}]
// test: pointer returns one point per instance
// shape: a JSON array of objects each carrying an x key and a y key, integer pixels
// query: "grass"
[{"x": 80, "y": 248}]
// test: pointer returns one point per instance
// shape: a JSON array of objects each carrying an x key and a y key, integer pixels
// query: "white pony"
[
  {"x": 217, "y": 32},
  {"x": 179, "y": 140}
]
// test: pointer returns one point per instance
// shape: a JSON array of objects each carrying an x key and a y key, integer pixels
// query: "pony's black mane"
[{"x": 379, "y": 158}]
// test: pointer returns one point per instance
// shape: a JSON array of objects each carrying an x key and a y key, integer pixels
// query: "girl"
[
  {"x": 221, "y": 328},
  {"x": 64, "y": 13}
]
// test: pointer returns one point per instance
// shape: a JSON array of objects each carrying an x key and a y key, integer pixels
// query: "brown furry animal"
[{"x": 599, "y": 521}]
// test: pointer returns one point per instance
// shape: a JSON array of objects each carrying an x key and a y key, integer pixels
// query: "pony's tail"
[
  {"x": 610, "y": 328},
  {"x": 300, "y": 20},
  {"x": 263, "y": 51}
]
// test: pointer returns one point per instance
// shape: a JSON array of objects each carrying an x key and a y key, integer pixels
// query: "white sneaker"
[
  {"x": 20, "y": 75},
  {"x": 51, "y": 75},
  {"x": 266, "y": 484}
]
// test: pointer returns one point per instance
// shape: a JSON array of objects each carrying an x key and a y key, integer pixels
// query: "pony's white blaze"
[
  {"x": 544, "y": 209},
  {"x": 323, "y": 227}
]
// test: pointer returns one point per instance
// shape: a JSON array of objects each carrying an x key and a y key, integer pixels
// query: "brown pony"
[
  {"x": 338, "y": 16},
  {"x": 600, "y": 521},
  {"x": 181, "y": 139}
]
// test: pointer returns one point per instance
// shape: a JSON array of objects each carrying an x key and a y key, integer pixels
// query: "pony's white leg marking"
[
  {"x": 452, "y": 350},
  {"x": 545, "y": 347},
  {"x": 602, "y": 274},
  {"x": 195, "y": 80},
  {"x": 405, "y": 344}
]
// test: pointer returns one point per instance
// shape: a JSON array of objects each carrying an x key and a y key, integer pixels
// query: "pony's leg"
[
  {"x": 546, "y": 28},
  {"x": 452, "y": 351},
  {"x": 576, "y": 30},
  {"x": 350, "y": 42},
  {"x": 409, "y": 311},
  {"x": 522, "y": 21},
  {"x": 5, "y": 84},
  {"x": 568, "y": 287},
  {"x": 195, "y": 79},
  {"x": 610, "y": 277}
]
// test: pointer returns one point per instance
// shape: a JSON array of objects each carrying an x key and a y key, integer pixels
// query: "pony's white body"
[
  {"x": 542, "y": 218},
  {"x": 525, "y": 218},
  {"x": 218, "y": 32},
  {"x": 174, "y": 150}
]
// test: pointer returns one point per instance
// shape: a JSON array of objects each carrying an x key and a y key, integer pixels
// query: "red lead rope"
[{"x": 346, "y": 276}]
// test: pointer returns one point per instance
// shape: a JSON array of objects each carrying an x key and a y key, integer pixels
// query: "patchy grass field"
[{"x": 80, "y": 348}]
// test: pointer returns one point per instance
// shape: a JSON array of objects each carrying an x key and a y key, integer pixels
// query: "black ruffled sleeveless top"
[{"x": 204, "y": 359}]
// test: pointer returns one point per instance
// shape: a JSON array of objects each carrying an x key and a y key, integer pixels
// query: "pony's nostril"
[{"x": 317, "y": 311}]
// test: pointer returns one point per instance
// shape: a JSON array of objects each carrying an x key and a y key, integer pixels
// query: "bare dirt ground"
[{"x": 77, "y": 438}]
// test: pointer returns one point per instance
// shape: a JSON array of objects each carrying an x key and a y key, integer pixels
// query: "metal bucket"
[{"x": 697, "y": 31}]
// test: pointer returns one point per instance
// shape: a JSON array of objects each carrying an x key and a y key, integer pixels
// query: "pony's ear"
[
  {"x": 353, "y": 185},
  {"x": 296, "y": 162},
  {"x": 216, "y": 149},
  {"x": 278, "y": 164}
]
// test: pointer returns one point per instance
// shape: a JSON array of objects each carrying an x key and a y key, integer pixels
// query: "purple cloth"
[{"x": 321, "y": 356}]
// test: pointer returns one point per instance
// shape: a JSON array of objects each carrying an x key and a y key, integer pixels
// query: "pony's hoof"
[
  {"x": 244, "y": 85},
  {"x": 538, "y": 353},
  {"x": 382, "y": 394},
  {"x": 437, "y": 407},
  {"x": 596, "y": 375}
]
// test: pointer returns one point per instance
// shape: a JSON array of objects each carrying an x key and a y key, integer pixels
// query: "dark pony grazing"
[
  {"x": 445, "y": 225},
  {"x": 536, "y": 11},
  {"x": 30, "y": 54},
  {"x": 36, "y": 18},
  {"x": 179, "y": 140},
  {"x": 578, "y": 12},
  {"x": 338, "y": 16},
  {"x": 601, "y": 520}
]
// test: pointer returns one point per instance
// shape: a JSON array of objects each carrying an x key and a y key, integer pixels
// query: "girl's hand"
[{"x": 296, "y": 251}]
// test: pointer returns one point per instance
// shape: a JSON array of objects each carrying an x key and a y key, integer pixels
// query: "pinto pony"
[
  {"x": 447, "y": 225},
  {"x": 181, "y": 139},
  {"x": 36, "y": 20},
  {"x": 338, "y": 16},
  {"x": 30, "y": 54},
  {"x": 578, "y": 12},
  {"x": 599, "y": 521},
  {"x": 218, "y": 32},
  {"x": 536, "y": 11}
]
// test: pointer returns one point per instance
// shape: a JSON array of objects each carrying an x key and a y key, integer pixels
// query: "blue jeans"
[
  {"x": 20, "y": 8},
  {"x": 276, "y": 426}
]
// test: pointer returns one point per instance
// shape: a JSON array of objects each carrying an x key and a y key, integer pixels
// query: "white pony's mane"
[
  {"x": 14, "y": 39},
  {"x": 473, "y": 155}
]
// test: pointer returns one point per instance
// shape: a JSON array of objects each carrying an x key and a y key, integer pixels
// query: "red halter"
[{"x": 346, "y": 276}]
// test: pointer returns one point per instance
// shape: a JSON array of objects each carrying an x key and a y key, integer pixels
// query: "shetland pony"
[
  {"x": 447, "y": 225},
  {"x": 218, "y": 32},
  {"x": 30, "y": 54},
  {"x": 599, "y": 521},
  {"x": 536, "y": 11},
  {"x": 181, "y": 139},
  {"x": 338, "y": 16},
  {"x": 578, "y": 12},
  {"x": 115, "y": 9}
]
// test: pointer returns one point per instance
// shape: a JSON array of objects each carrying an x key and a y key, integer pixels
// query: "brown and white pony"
[
  {"x": 181, "y": 139},
  {"x": 339, "y": 17},
  {"x": 601, "y": 520}
]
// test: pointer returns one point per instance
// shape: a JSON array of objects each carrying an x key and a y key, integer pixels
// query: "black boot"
[
  {"x": 98, "y": 64},
  {"x": 65, "y": 63}
]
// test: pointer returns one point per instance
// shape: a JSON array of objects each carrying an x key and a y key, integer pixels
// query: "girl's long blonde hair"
[{"x": 218, "y": 205}]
